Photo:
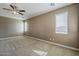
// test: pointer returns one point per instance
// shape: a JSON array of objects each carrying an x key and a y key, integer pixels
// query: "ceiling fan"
[{"x": 14, "y": 10}]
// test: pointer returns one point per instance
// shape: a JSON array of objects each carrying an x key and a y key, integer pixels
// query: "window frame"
[{"x": 66, "y": 23}]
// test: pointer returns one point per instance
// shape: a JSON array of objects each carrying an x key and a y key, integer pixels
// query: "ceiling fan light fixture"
[
  {"x": 17, "y": 13},
  {"x": 14, "y": 12}
]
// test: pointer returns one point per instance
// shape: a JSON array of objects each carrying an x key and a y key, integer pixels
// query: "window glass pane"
[
  {"x": 61, "y": 23},
  {"x": 25, "y": 26}
]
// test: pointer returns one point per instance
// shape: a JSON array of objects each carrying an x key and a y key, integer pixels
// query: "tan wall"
[
  {"x": 10, "y": 27},
  {"x": 43, "y": 27}
]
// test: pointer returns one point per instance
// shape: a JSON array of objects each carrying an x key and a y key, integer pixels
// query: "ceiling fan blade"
[
  {"x": 15, "y": 7},
  {"x": 7, "y": 9},
  {"x": 21, "y": 10},
  {"x": 20, "y": 13},
  {"x": 12, "y": 6}
]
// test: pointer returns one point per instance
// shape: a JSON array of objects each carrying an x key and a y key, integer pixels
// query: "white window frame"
[
  {"x": 25, "y": 29},
  {"x": 61, "y": 16}
]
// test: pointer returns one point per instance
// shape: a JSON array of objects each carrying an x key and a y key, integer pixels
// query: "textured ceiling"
[{"x": 32, "y": 9}]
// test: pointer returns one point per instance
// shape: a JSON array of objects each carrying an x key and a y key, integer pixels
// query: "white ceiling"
[{"x": 32, "y": 9}]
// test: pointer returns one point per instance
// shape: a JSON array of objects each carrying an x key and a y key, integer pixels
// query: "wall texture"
[
  {"x": 43, "y": 27},
  {"x": 10, "y": 27}
]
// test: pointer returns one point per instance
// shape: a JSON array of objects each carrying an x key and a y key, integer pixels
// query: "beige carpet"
[{"x": 27, "y": 46}]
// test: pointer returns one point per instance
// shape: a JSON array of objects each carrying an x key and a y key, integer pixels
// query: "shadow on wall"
[{"x": 10, "y": 27}]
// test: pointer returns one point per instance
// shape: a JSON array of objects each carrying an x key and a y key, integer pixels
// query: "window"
[
  {"x": 61, "y": 23},
  {"x": 25, "y": 26}
]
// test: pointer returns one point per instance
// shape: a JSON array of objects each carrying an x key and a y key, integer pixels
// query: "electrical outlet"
[
  {"x": 50, "y": 39},
  {"x": 53, "y": 38}
]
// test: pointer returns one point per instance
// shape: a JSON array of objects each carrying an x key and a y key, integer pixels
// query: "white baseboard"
[
  {"x": 69, "y": 47},
  {"x": 7, "y": 38}
]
